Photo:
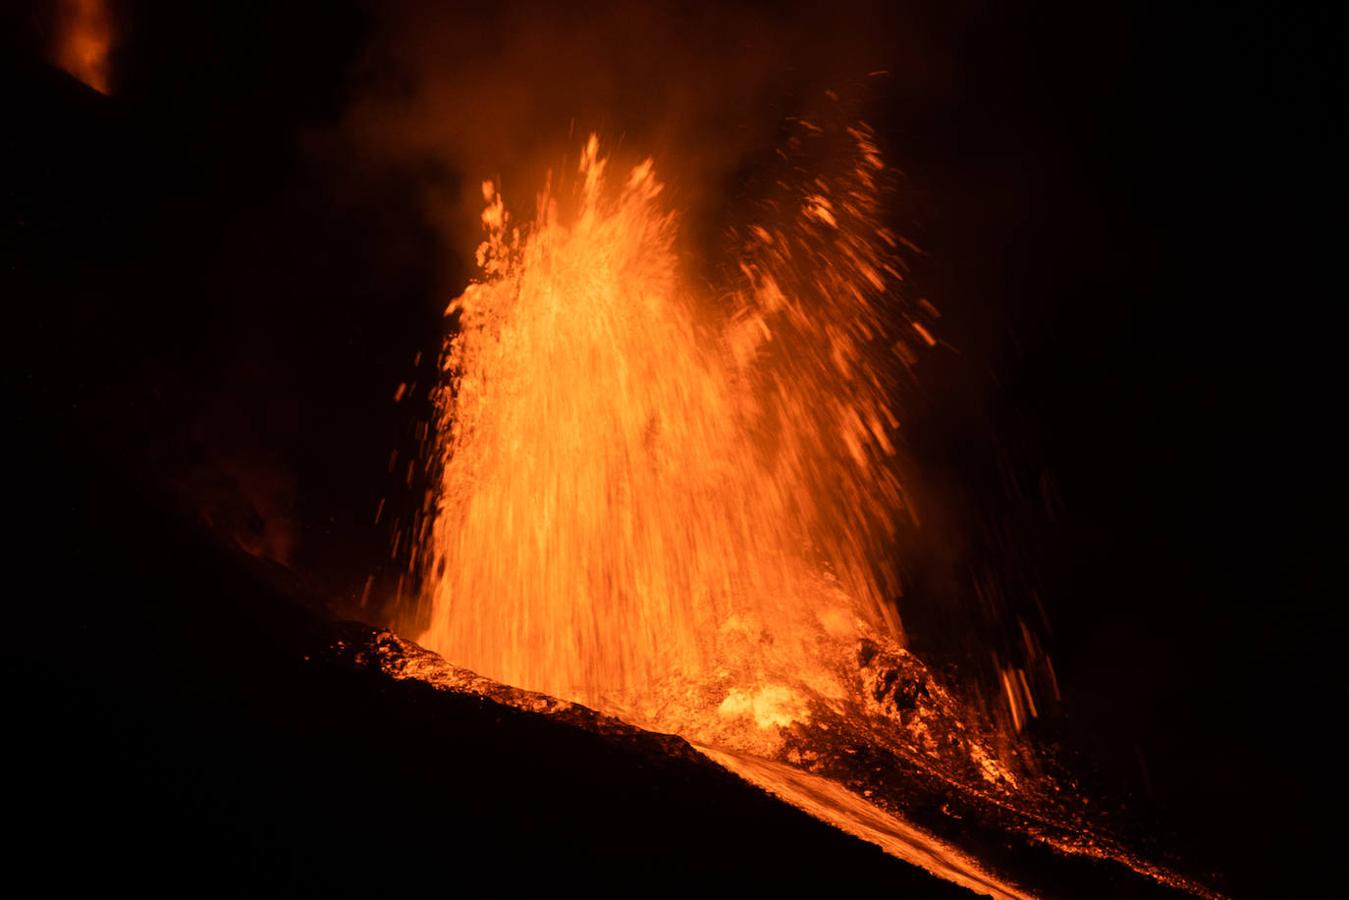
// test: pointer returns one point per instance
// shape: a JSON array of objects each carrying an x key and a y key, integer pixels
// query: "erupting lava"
[
  {"x": 659, "y": 497},
  {"x": 675, "y": 498}
]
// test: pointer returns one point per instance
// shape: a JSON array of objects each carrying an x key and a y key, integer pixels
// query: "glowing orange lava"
[
  {"x": 661, "y": 497},
  {"x": 84, "y": 41},
  {"x": 675, "y": 498}
]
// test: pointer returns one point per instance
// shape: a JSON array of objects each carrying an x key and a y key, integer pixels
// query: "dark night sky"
[{"x": 219, "y": 280}]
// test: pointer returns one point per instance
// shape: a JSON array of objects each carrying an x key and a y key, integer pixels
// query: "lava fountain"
[
  {"x": 657, "y": 494},
  {"x": 676, "y": 498}
]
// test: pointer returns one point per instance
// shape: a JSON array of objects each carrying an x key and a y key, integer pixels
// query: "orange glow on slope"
[
  {"x": 656, "y": 496},
  {"x": 84, "y": 39}
]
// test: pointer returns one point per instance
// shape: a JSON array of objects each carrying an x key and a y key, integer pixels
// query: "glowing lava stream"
[
  {"x": 667, "y": 501},
  {"x": 832, "y": 803}
]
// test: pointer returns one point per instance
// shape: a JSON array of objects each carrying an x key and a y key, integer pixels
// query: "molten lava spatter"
[
  {"x": 654, "y": 496},
  {"x": 676, "y": 499}
]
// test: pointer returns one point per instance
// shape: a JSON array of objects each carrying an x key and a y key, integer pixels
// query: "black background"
[{"x": 1128, "y": 215}]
